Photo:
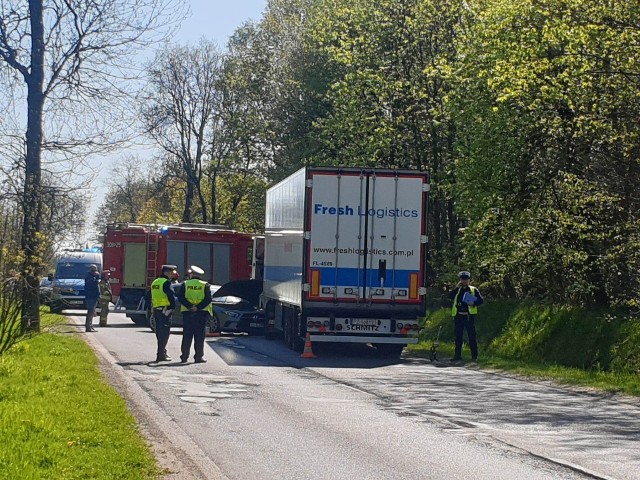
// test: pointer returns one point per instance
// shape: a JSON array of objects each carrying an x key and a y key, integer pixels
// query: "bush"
[
  {"x": 626, "y": 351},
  {"x": 547, "y": 334}
]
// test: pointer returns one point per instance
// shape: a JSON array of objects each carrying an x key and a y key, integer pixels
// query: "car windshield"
[{"x": 69, "y": 270}]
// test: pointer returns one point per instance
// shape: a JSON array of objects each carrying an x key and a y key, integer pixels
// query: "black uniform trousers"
[
  {"x": 193, "y": 328},
  {"x": 467, "y": 322},
  {"x": 163, "y": 330}
]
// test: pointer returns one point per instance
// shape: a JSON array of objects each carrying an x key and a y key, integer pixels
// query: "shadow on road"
[
  {"x": 152, "y": 364},
  {"x": 258, "y": 352}
]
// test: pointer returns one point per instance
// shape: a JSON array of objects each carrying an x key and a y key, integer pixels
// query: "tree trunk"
[
  {"x": 31, "y": 201},
  {"x": 214, "y": 198},
  {"x": 188, "y": 201},
  {"x": 203, "y": 204}
]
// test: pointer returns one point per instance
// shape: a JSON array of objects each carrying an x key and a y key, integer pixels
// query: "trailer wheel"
[
  {"x": 286, "y": 327},
  {"x": 270, "y": 314},
  {"x": 297, "y": 343},
  {"x": 291, "y": 327},
  {"x": 139, "y": 319},
  {"x": 389, "y": 350}
]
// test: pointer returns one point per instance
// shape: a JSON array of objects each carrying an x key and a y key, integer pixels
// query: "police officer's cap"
[
  {"x": 168, "y": 268},
  {"x": 464, "y": 275},
  {"x": 197, "y": 270}
]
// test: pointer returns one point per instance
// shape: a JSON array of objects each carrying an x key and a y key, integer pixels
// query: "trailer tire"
[
  {"x": 297, "y": 343},
  {"x": 139, "y": 319},
  {"x": 291, "y": 328},
  {"x": 270, "y": 333},
  {"x": 286, "y": 327}
]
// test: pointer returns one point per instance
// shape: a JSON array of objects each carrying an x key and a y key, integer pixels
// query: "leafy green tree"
[
  {"x": 388, "y": 106},
  {"x": 548, "y": 147}
]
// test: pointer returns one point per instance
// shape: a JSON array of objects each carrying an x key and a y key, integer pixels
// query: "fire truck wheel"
[{"x": 213, "y": 325}]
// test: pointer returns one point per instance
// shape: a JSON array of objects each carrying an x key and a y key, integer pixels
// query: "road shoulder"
[{"x": 178, "y": 456}]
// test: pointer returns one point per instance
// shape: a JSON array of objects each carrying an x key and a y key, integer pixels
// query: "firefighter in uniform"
[
  {"x": 195, "y": 297},
  {"x": 464, "y": 310},
  {"x": 105, "y": 296},
  {"x": 163, "y": 303}
]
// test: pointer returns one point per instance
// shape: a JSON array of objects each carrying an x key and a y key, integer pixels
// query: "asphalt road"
[{"x": 258, "y": 410}]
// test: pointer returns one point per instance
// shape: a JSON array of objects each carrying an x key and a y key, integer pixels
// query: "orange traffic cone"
[{"x": 308, "y": 352}]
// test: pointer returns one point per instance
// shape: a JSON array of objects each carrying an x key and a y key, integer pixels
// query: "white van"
[{"x": 68, "y": 280}]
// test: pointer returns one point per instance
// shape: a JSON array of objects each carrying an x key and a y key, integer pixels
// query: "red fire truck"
[{"x": 135, "y": 253}]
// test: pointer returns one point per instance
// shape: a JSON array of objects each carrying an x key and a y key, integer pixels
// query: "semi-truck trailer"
[
  {"x": 345, "y": 256},
  {"x": 135, "y": 253}
]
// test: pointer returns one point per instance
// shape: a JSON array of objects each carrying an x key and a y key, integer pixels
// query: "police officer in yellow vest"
[
  {"x": 466, "y": 300},
  {"x": 163, "y": 303},
  {"x": 195, "y": 297}
]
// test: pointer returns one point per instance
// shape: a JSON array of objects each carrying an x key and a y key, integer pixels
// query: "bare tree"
[
  {"x": 180, "y": 110},
  {"x": 71, "y": 57},
  {"x": 128, "y": 190}
]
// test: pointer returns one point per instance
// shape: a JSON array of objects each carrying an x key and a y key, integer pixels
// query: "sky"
[
  {"x": 212, "y": 19},
  {"x": 217, "y": 19}
]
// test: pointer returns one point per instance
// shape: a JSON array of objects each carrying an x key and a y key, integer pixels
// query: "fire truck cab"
[{"x": 135, "y": 253}]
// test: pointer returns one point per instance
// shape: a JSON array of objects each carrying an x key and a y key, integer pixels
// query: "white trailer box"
[{"x": 345, "y": 255}]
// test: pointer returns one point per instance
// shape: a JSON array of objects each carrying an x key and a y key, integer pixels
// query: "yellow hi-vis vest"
[
  {"x": 158, "y": 297},
  {"x": 472, "y": 308},
  {"x": 194, "y": 293}
]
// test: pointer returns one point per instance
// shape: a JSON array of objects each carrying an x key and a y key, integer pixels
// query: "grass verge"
[
  {"x": 586, "y": 348},
  {"x": 59, "y": 420},
  {"x": 628, "y": 384}
]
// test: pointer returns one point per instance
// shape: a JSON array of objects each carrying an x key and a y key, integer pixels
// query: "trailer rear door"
[{"x": 366, "y": 236}]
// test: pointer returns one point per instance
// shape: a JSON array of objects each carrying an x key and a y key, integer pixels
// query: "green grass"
[
  {"x": 593, "y": 349},
  {"x": 59, "y": 420}
]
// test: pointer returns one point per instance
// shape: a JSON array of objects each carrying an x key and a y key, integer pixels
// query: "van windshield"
[{"x": 72, "y": 270}]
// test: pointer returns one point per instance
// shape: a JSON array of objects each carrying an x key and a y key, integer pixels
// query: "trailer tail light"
[
  {"x": 338, "y": 327},
  {"x": 400, "y": 325},
  {"x": 413, "y": 285},
  {"x": 309, "y": 324},
  {"x": 315, "y": 283}
]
